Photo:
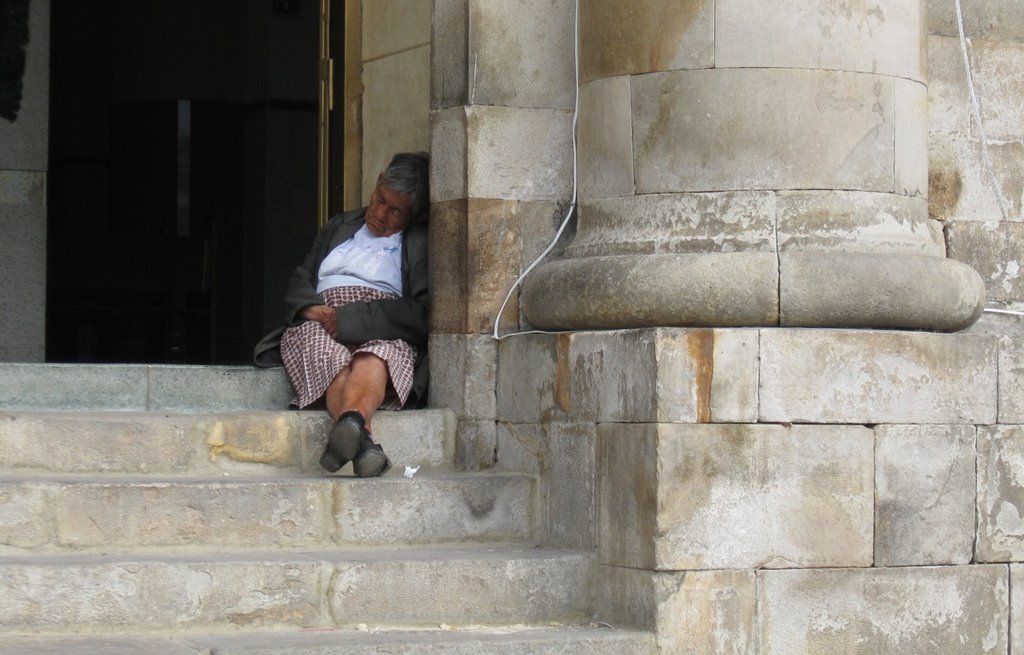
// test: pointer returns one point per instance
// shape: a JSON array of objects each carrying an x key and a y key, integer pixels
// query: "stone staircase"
[{"x": 171, "y": 510}]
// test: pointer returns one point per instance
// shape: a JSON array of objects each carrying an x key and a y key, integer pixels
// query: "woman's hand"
[{"x": 323, "y": 315}]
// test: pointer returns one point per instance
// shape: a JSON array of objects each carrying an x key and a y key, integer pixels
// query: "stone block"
[
  {"x": 996, "y": 69},
  {"x": 568, "y": 486},
  {"x": 856, "y": 221},
  {"x": 1016, "y": 607},
  {"x": 432, "y": 509},
  {"x": 1000, "y": 493},
  {"x": 232, "y": 514},
  {"x": 618, "y": 38},
  {"x": 276, "y": 439},
  {"x": 522, "y": 53},
  {"x": 143, "y": 593},
  {"x": 414, "y": 437},
  {"x": 217, "y": 388},
  {"x": 689, "y": 613},
  {"x": 93, "y": 645},
  {"x": 23, "y": 286},
  {"x": 735, "y": 130},
  {"x": 879, "y": 37},
  {"x": 605, "y": 139},
  {"x": 854, "y": 376},
  {"x": 476, "y": 444},
  {"x": 448, "y": 281},
  {"x": 963, "y": 187},
  {"x": 500, "y": 586},
  {"x": 463, "y": 374},
  {"x": 949, "y": 104},
  {"x": 393, "y": 26},
  {"x": 658, "y": 375},
  {"x": 396, "y": 106},
  {"x": 996, "y": 252},
  {"x": 120, "y": 387},
  {"x": 1011, "y": 379},
  {"x": 448, "y": 155},
  {"x": 990, "y": 19},
  {"x": 734, "y": 221},
  {"x": 912, "y": 611},
  {"x": 911, "y": 98},
  {"x": 23, "y": 516},
  {"x": 516, "y": 153},
  {"x": 493, "y": 254},
  {"x": 448, "y": 54},
  {"x": 521, "y": 447},
  {"x": 26, "y": 138},
  {"x": 681, "y": 497},
  {"x": 925, "y": 486}
]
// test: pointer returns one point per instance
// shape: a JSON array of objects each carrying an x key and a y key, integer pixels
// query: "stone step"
[
  {"x": 327, "y": 588},
  {"x": 583, "y": 640},
  {"x": 250, "y": 442},
  {"x": 142, "y": 387},
  {"x": 46, "y": 514}
]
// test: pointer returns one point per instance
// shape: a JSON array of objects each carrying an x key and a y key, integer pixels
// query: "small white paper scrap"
[{"x": 410, "y": 471}]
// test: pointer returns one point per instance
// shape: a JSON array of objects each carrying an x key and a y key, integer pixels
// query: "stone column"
[
  {"x": 750, "y": 163},
  {"x": 24, "y": 130}
]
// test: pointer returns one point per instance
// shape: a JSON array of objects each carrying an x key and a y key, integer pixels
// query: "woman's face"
[{"x": 389, "y": 211}]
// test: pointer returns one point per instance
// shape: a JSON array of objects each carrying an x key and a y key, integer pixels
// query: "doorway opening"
[{"x": 183, "y": 175}]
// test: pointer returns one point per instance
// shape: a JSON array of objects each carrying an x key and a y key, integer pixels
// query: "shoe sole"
[
  {"x": 345, "y": 439},
  {"x": 371, "y": 463}
]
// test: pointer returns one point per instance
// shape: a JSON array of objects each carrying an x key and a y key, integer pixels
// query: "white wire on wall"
[{"x": 575, "y": 182}]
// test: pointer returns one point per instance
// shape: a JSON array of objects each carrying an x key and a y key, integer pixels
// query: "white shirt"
[{"x": 364, "y": 260}]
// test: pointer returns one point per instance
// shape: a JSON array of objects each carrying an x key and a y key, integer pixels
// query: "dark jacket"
[{"x": 403, "y": 318}]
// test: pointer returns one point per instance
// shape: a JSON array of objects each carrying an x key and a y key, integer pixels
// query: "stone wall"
[
  {"x": 396, "y": 83},
  {"x": 23, "y": 169}
]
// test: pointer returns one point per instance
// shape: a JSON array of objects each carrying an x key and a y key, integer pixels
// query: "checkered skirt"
[{"x": 313, "y": 359}]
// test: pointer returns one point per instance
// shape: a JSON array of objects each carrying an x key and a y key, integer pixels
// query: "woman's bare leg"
[{"x": 360, "y": 386}]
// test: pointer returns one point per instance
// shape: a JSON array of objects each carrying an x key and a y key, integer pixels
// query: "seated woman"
[{"x": 355, "y": 332}]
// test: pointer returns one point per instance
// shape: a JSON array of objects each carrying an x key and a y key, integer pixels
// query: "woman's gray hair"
[{"x": 409, "y": 173}]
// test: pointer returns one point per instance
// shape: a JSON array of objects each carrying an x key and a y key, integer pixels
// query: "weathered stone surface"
[
  {"x": 23, "y": 516},
  {"x": 996, "y": 71},
  {"x": 521, "y": 447},
  {"x": 476, "y": 446},
  {"x": 495, "y": 641},
  {"x": 986, "y": 19},
  {"x": 493, "y": 587},
  {"x": 217, "y": 388},
  {"x": 735, "y": 221},
  {"x": 911, "y": 98},
  {"x": 396, "y": 105},
  {"x": 848, "y": 376},
  {"x": 43, "y": 386},
  {"x": 856, "y": 221},
  {"x": 618, "y": 38},
  {"x": 392, "y": 26},
  {"x": 949, "y": 104},
  {"x": 670, "y": 290},
  {"x": 675, "y": 497},
  {"x": 880, "y": 37},
  {"x": 448, "y": 283},
  {"x": 870, "y": 290},
  {"x": 996, "y": 252},
  {"x": 431, "y": 509},
  {"x": 658, "y": 375},
  {"x": 924, "y": 494},
  {"x": 916, "y": 611},
  {"x": 93, "y": 645},
  {"x": 463, "y": 374},
  {"x": 1016, "y": 607},
  {"x": 448, "y": 154},
  {"x": 568, "y": 487},
  {"x": 1000, "y": 493},
  {"x": 735, "y": 131},
  {"x": 605, "y": 139},
  {"x": 141, "y": 593},
  {"x": 126, "y": 515},
  {"x": 522, "y": 53},
  {"x": 448, "y": 55},
  {"x": 1011, "y": 379},
  {"x": 23, "y": 286},
  {"x": 966, "y": 188},
  {"x": 518, "y": 153},
  {"x": 689, "y": 613}
]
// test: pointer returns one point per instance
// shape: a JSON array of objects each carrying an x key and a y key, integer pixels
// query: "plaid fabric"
[{"x": 313, "y": 359}]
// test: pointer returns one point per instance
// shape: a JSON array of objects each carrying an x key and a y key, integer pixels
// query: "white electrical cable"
[
  {"x": 575, "y": 182},
  {"x": 976, "y": 110}
]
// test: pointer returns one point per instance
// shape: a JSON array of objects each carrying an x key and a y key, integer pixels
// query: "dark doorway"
[{"x": 182, "y": 185}]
